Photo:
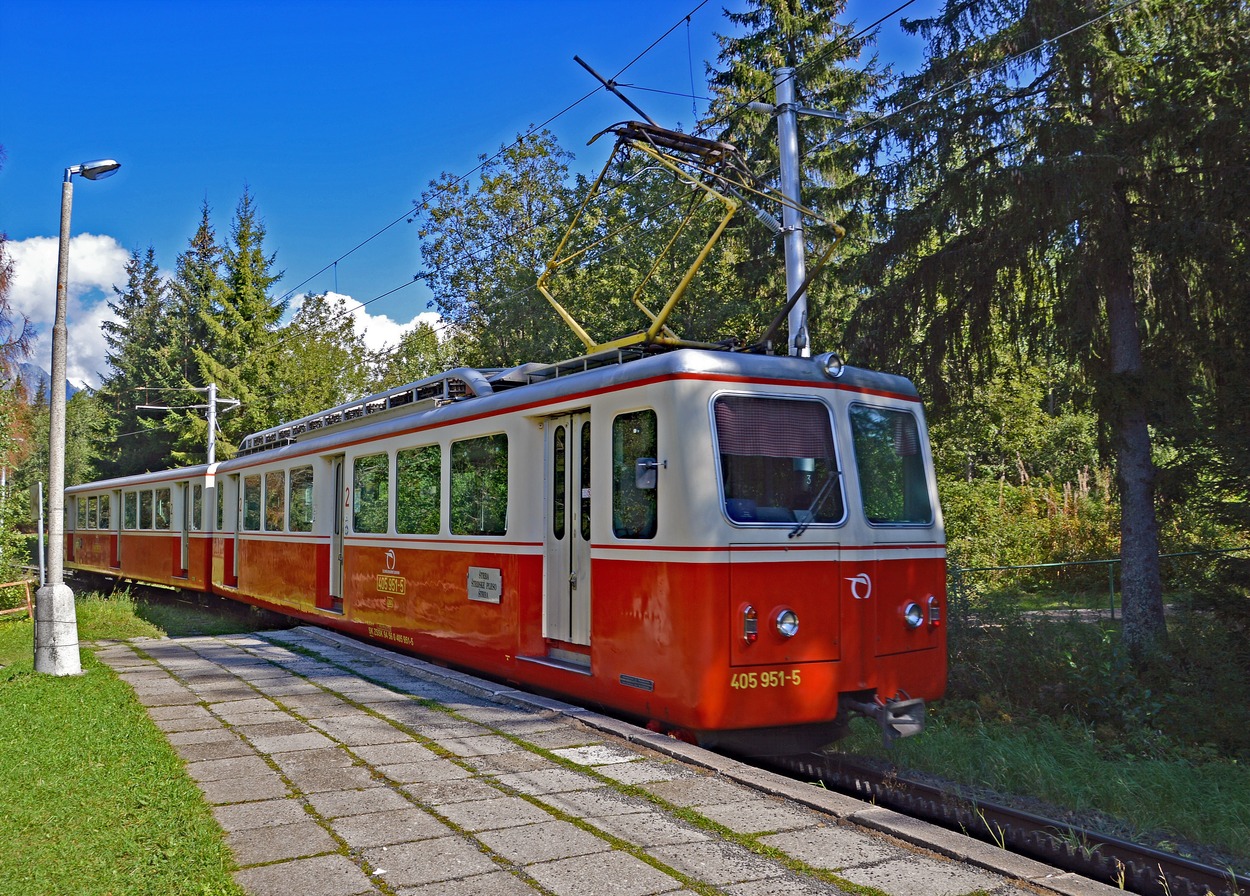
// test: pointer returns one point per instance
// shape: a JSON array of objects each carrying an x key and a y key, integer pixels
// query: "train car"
[
  {"x": 151, "y": 527},
  {"x": 740, "y": 549}
]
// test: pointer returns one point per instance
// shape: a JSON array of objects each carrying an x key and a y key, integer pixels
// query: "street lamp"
[{"x": 56, "y": 625}]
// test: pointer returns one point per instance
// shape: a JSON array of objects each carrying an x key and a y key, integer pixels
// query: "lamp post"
[{"x": 56, "y": 625}]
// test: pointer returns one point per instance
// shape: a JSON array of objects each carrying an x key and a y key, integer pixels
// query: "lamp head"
[{"x": 99, "y": 169}]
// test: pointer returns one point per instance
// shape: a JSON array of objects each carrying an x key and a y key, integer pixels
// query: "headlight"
[
  {"x": 831, "y": 364},
  {"x": 914, "y": 615},
  {"x": 788, "y": 623}
]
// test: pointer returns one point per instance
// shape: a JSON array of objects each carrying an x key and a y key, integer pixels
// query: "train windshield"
[
  {"x": 777, "y": 461},
  {"x": 891, "y": 466}
]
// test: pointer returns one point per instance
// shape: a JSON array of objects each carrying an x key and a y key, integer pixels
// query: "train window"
[
  {"x": 418, "y": 490},
  {"x": 479, "y": 486},
  {"x": 81, "y": 506},
  {"x": 106, "y": 514},
  {"x": 130, "y": 510},
  {"x": 892, "y": 475},
  {"x": 275, "y": 501},
  {"x": 145, "y": 509},
  {"x": 221, "y": 504},
  {"x": 197, "y": 507},
  {"x": 301, "y": 499},
  {"x": 584, "y": 483},
  {"x": 634, "y": 436},
  {"x": 93, "y": 506},
  {"x": 777, "y": 461},
  {"x": 559, "y": 480},
  {"x": 251, "y": 503},
  {"x": 164, "y": 508},
  {"x": 371, "y": 492}
]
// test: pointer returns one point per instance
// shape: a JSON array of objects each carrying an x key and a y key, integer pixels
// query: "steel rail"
[{"x": 1136, "y": 868}]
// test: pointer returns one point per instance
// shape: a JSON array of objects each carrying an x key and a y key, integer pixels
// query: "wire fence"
[{"x": 965, "y": 584}]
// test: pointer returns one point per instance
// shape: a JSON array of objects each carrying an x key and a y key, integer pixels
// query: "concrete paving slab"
[
  {"x": 337, "y": 803},
  {"x": 648, "y": 829},
  {"x": 497, "y": 883},
  {"x": 375, "y": 829},
  {"x": 282, "y": 743},
  {"x": 913, "y": 874},
  {"x": 247, "y": 766},
  {"x": 427, "y": 861},
  {"x": 717, "y": 862},
  {"x": 394, "y": 753},
  {"x": 492, "y": 814},
  {"x": 338, "y": 777},
  {"x": 832, "y": 847},
  {"x": 435, "y": 771},
  {"x": 260, "y": 814},
  {"x": 448, "y": 793},
  {"x": 548, "y": 780},
  {"x": 697, "y": 790},
  {"x": 543, "y": 841},
  {"x": 598, "y": 754},
  {"x": 784, "y": 886},
  {"x": 360, "y": 730},
  {"x": 594, "y": 804},
  {"x": 483, "y": 745},
  {"x": 237, "y": 790},
  {"x": 334, "y": 875},
  {"x": 518, "y": 760},
  {"x": 761, "y": 816},
  {"x": 611, "y": 874},
  {"x": 217, "y": 749},
  {"x": 191, "y": 717},
  {"x": 280, "y": 843},
  {"x": 645, "y": 771},
  {"x": 318, "y": 757}
]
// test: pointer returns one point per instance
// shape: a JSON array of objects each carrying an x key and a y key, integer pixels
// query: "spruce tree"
[
  {"x": 240, "y": 324},
  {"x": 1024, "y": 182},
  {"x": 142, "y": 360}
]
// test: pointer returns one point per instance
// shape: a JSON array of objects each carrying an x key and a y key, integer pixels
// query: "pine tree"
[
  {"x": 240, "y": 325},
  {"x": 142, "y": 350},
  {"x": 804, "y": 35},
  {"x": 1022, "y": 182}
]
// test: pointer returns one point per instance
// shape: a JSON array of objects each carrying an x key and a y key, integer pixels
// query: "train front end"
[{"x": 812, "y": 532}]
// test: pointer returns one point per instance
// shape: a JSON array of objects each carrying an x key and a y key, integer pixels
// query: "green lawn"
[{"x": 93, "y": 800}]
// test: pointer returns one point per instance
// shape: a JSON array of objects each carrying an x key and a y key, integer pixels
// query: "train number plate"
[
  {"x": 392, "y": 584},
  {"x": 781, "y": 678}
]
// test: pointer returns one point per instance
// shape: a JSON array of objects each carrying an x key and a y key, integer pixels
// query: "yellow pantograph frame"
[{"x": 652, "y": 335}]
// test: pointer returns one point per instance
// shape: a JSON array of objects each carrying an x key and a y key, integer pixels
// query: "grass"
[
  {"x": 93, "y": 800},
  {"x": 1166, "y": 803}
]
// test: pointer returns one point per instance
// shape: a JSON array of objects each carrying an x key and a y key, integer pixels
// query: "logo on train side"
[
  {"x": 390, "y": 581},
  {"x": 861, "y": 586}
]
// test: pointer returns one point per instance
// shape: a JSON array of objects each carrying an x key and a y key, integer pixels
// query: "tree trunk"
[{"x": 1141, "y": 589}]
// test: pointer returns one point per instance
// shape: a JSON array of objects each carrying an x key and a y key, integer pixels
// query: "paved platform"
[{"x": 338, "y": 768}]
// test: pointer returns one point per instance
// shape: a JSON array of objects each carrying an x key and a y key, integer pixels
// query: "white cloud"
[
  {"x": 96, "y": 263},
  {"x": 378, "y": 330}
]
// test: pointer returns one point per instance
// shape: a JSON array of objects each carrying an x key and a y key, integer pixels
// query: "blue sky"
[{"x": 334, "y": 115}]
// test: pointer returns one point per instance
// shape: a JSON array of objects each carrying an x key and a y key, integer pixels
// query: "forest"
[{"x": 1045, "y": 229}]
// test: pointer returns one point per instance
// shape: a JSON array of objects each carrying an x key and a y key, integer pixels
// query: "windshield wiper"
[{"x": 821, "y": 496}]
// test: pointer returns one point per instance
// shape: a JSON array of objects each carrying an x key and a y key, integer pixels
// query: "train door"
[
  {"x": 184, "y": 533},
  {"x": 117, "y": 529},
  {"x": 336, "y": 537},
  {"x": 566, "y": 607},
  {"x": 235, "y": 494}
]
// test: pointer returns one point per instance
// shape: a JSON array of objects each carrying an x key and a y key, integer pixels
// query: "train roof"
[
  {"x": 466, "y": 392},
  {"x": 140, "y": 479}
]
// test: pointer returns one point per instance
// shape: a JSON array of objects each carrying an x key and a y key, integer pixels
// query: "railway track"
[{"x": 1117, "y": 862}]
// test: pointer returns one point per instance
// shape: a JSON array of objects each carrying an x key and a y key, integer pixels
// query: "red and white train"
[{"x": 740, "y": 549}]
